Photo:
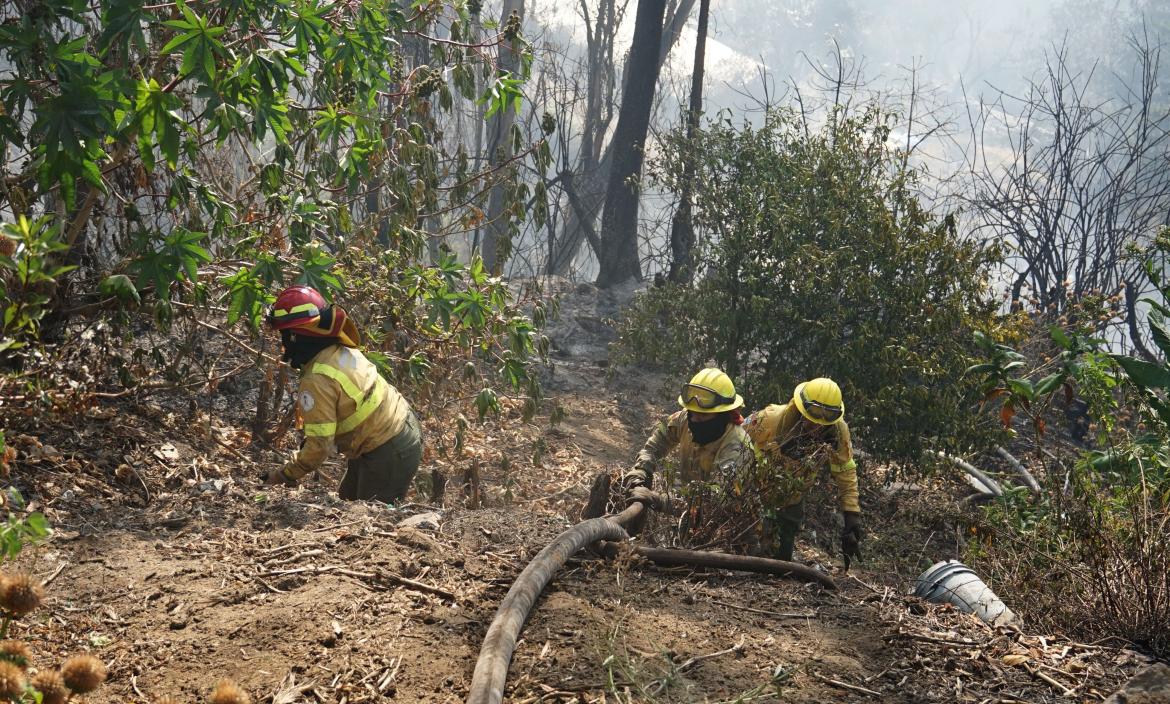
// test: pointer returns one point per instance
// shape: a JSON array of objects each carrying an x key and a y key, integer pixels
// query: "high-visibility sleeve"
[
  {"x": 318, "y": 401},
  {"x": 844, "y": 469},
  {"x": 845, "y": 475}
]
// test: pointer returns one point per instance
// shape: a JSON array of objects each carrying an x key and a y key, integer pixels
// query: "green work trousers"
[
  {"x": 385, "y": 473},
  {"x": 787, "y": 525}
]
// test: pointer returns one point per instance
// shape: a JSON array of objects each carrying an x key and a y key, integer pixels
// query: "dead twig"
[
  {"x": 777, "y": 614},
  {"x": 691, "y": 662},
  {"x": 290, "y": 546},
  {"x": 931, "y": 639},
  {"x": 1064, "y": 691},
  {"x": 56, "y": 573},
  {"x": 369, "y": 576},
  {"x": 299, "y": 556},
  {"x": 846, "y": 685}
]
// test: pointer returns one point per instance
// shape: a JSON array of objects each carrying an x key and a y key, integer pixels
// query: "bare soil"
[{"x": 173, "y": 564}]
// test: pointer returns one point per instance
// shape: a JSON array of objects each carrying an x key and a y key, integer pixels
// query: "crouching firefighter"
[
  {"x": 798, "y": 438},
  {"x": 706, "y": 433},
  {"x": 343, "y": 401}
]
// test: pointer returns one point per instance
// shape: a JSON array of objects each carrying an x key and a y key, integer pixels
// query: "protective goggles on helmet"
[
  {"x": 820, "y": 411},
  {"x": 704, "y": 397}
]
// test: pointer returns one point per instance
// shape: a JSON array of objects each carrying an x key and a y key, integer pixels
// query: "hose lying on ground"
[
  {"x": 989, "y": 485},
  {"x": 495, "y": 655},
  {"x": 487, "y": 683},
  {"x": 724, "y": 561}
]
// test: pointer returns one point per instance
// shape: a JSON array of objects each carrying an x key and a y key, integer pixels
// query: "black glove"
[{"x": 851, "y": 537}]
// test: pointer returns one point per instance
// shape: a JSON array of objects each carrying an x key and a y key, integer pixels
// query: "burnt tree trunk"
[
  {"x": 593, "y": 173},
  {"x": 619, "y": 221},
  {"x": 682, "y": 230}
]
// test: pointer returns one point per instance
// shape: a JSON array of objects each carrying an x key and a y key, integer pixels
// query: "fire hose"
[{"x": 495, "y": 655}]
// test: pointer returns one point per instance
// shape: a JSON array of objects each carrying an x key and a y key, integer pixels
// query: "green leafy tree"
[
  {"x": 210, "y": 153},
  {"x": 1089, "y": 552},
  {"x": 816, "y": 259}
]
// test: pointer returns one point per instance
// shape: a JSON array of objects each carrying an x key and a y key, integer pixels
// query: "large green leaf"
[
  {"x": 1143, "y": 373},
  {"x": 1161, "y": 335}
]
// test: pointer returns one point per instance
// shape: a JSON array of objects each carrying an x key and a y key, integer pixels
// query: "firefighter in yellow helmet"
[
  {"x": 706, "y": 433},
  {"x": 799, "y": 437},
  {"x": 344, "y": 402}
]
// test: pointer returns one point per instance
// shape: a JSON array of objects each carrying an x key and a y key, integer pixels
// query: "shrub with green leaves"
[
  {"x": 204, "y": 155},
  {"x": 438, "y": 328},
  {"x": 815, "y": 258},
  {"x": 28, "y": 277},
  {"x": 1090, "y": 552}
]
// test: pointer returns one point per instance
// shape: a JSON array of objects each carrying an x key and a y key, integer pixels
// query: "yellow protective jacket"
[
  {"x": 730, "y": 453},
  {"x": 344, "y": 401},
  {"x": 785, "y": 441}
]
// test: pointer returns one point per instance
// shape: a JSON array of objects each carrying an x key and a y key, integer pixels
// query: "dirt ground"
[{"x": 174, "y": 565}]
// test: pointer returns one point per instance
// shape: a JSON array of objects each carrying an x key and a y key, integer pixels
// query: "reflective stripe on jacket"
[
  {"x": 732, "y": 451},
  {"x": 345, "y": 401},
  {"x": 782, "y": 438}
]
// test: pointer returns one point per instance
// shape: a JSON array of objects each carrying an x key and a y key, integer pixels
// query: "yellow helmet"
[
  {"x": 819, "y": 400},
  {"x": 709, "y": 391}
]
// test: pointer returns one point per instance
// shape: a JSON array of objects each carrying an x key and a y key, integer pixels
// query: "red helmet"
[{"x": 297, "y": 307}]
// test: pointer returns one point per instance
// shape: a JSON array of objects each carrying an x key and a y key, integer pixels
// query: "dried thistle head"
[
  {"x": 21, "y": 594},
  {"x": 16, "y": 652},
  {"x": 11, "y": 681},
  {"x": 51, "y": 686},
  {"x": 83, "y": 673},
  {"x": 228, "y": 692}
]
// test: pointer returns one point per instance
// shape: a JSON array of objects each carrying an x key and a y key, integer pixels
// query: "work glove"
[
  {"x": 277, "y": 477},
  {"x": 633, "y": 479},
  {"x": 651, "y": 500},
  {"x": 851, "y": 537}
]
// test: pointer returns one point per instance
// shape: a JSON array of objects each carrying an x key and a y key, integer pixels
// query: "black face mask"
[
  {"x": 299, "y": 350},
  {"x": 708, "y": 430}
]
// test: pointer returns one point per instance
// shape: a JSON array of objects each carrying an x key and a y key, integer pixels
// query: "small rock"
[
  {"x": 178, "y": 624},
  {"x": 1150, "y": 686},
  {"x": 212, "y": 485},
  {"x": 422, "y": 521}
]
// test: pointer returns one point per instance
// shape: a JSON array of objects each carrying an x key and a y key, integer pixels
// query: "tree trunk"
[
  {"x": 619, "y": 221},
  {"x": 591, "y": 183},
  {"x": 497, "y": 235},
  {"x": 682, "y": 230}
]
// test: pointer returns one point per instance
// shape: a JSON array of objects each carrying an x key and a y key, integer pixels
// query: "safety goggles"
[
  {"x": 820, "y": 411},
  {"x": 298, "y": 315},
  {"x": 704, "y": 397}
]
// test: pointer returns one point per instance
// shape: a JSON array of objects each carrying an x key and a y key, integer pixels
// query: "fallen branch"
[
  {"x": 777, "y": 614},
  {"x": 231, "y": 450},
  {"x": 56, "y": 573},
  {"x": 1018, "y": 466},
  {"x": 846, "y": 685},
  {"x": 1064, "y": 691},
  {"x": 289, "y": 546},
  {"x": 448, "y": 595},
  {"x": 718, "y": 560},
  {"x": 372, "y": 576},
  {"x": 691, "y": 662},
  {"x": 931, "y": 639}
]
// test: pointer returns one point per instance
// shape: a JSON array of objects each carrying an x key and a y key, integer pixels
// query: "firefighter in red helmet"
[{"x": 344, "y": 401}]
